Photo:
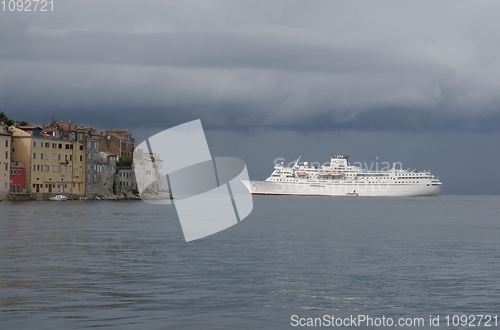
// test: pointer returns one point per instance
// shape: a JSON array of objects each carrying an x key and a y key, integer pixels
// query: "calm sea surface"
[{"x": 125, "y": 265}]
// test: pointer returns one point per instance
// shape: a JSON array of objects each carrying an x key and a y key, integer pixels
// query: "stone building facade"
[
  {"x": 100, "y": 170},
  {"x": 119, "y": 142},
  {"x": 5, "y": 155}
]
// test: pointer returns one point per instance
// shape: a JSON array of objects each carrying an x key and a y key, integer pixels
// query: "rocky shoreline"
[
  {"x": 121, "y": 196},
  {"x": 127, "y": 196}
]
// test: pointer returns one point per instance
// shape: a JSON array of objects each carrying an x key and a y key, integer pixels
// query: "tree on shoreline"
[
  {"x": 10, "y": 122},
  {"x": 124, "y": 161}
]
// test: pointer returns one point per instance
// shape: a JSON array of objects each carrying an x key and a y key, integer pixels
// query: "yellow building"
[
  {"x": 53, "y": 165},
  {"x": 4, "y": 162}
]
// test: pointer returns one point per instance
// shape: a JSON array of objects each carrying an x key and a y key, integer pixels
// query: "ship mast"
[{"x": 297, "y": 161}]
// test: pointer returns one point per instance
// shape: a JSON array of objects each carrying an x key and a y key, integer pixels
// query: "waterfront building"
[
  {"x": 101, "y": 169},
  {"x": 125, "y": 179},
  {"x": 17, "y": 175},
  {"x": 53, "y": 163},
  {"x": 119, "y": 142},
  {"x": 148, "y": 171},
  {"x": 5, "y": 154}
]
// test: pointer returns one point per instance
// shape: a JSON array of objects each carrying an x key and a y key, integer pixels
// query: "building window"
[
  {"x": 54, "y": 145},
  {"x": 34, "y": 143},
  {"x": 6, "y": 166},
  {"x": 34, "y": 167},
  {"x": 60, "y": 145},
  {"x": 47, "y": 145},
  {"x": 41, "y": 155},
  {"x": 81, "y": 147},
  {"x": 81, "y": 158},
  {"x": 34, "y": 155},
  {"x": 6, "y": 155},
  {"x": 6, "y": 143}
]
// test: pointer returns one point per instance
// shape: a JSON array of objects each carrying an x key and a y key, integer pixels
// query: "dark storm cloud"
[
  {"x": 210, "y": 50},
  {"x": 247, "y": 65}
]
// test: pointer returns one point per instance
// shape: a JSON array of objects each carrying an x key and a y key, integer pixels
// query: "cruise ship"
[{"x": 339, "y": 178}]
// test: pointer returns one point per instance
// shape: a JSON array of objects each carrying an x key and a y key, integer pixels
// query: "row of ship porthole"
[{"x": 404, "y": 182}]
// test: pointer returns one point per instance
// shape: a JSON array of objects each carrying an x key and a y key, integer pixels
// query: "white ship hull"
[{"x": 341, "y": 189}]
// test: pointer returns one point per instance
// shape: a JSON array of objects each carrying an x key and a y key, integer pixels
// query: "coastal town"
[{"x": 64, "y": 158}]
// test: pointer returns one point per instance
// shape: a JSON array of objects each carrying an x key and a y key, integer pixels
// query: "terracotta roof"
[
  {"x": 115, "y": 135},
  {"x": 63, "y": 126},
  {"x": 108, "y": 153},
  {"x": 118, "y": 130},
  {"x": 28, "y": 127}
]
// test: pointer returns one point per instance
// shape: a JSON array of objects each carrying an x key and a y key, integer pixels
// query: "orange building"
[{"x": 52, "y": 164}]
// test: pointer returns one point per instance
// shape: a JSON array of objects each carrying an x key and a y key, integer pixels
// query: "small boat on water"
[
  {"x": 58, "y": 198},
  {"x": 352, "y": 194}
]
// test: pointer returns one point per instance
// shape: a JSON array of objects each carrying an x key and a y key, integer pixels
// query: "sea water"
[{"x": 125, "y": 264}]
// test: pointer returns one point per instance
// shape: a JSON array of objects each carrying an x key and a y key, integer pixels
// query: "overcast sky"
[{"x": 410, "y": 81}]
